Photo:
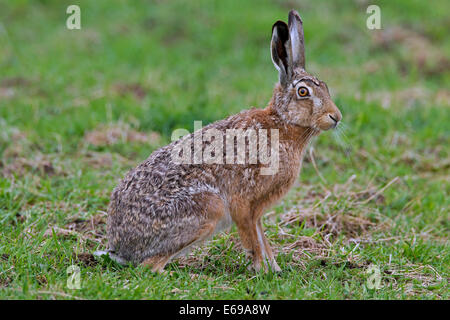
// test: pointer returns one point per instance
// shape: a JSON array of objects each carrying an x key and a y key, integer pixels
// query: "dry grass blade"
[{"x": 381, "y": 190}]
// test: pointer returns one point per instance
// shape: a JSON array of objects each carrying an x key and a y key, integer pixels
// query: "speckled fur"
[{"x": 161, "y": 208}]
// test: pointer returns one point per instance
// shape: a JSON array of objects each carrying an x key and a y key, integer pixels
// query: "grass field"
[{"x": 79, "y": 108}]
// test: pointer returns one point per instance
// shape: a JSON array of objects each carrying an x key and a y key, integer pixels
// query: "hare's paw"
[
  {"x": 274, "y": 266},
  {"x": 266, "y": 266}
]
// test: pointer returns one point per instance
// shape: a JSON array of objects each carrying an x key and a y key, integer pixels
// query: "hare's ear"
[
  {"x": 297, "y": 39},
  {"x": 281, "y": 51}
]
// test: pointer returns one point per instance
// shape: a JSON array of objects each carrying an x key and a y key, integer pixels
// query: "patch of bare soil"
[
  {"x": 8, "y": 86},
  {"x": 14, "y": 82},
  {"x": 426, "y": 160},
  {"x": 306, "y": 243},
  {"x": 92, "y": 229},
  {"x": 41, "y": 279},
  {"x": 19, "y": 158},
  {"x": 328, "y": 224},
  {"x": 4, "y": 281},
  {"x": 17, "y": 140},
  {"x": 417, "y": 50},
  {"x": 407, "y": 97},
  {"x": 94, "y": 223},
  {"x": 4, "y": 256},
  {"x": 106, "y": 135},
  {"x": 85, "y": 258},
  {"x": 40, "y": 165},
  {"x": 421, "y": 278},
  {"x": 135, "y": 89},
  {"x": 99, "y": 160}
]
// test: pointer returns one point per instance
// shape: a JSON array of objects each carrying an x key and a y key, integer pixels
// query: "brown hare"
[{"x": 163, "y": 207}]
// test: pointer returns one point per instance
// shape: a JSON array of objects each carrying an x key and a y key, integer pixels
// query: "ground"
[{"x": 78, "y": 108}]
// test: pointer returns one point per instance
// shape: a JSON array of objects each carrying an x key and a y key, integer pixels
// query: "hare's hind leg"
[
  {"x": 157, "y": 263},
  {"x": 211, "y": 209}
]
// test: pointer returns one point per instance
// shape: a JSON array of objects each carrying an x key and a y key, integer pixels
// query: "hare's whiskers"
[{"x": 343, "y": 141}]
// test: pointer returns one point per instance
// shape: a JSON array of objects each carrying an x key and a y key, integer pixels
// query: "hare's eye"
[{"x": 303, "y": 91}]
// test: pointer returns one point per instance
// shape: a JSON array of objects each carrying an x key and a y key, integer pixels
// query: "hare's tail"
[{"x": 111, "y": 255}]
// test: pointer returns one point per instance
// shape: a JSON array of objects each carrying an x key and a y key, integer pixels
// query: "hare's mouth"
[{"x": 328, "y": 121}]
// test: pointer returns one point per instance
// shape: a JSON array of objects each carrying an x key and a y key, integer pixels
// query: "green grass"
[{"x": 153, "y": 66}]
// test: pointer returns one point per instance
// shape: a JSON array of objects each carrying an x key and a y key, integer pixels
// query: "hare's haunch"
[{"x": 163, "y": 206}]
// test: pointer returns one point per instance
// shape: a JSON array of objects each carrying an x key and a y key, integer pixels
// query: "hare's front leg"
[
  {"x": 254, "y": 241},
  {"x": 268, "y": 249}
]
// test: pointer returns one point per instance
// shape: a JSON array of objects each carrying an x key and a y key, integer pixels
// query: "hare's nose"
[
  {"x": 335, "y": 118},
  {"x": 335, "y": 115}
]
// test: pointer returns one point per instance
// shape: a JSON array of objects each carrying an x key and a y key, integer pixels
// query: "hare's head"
[{"x": 302, "y": 100}]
